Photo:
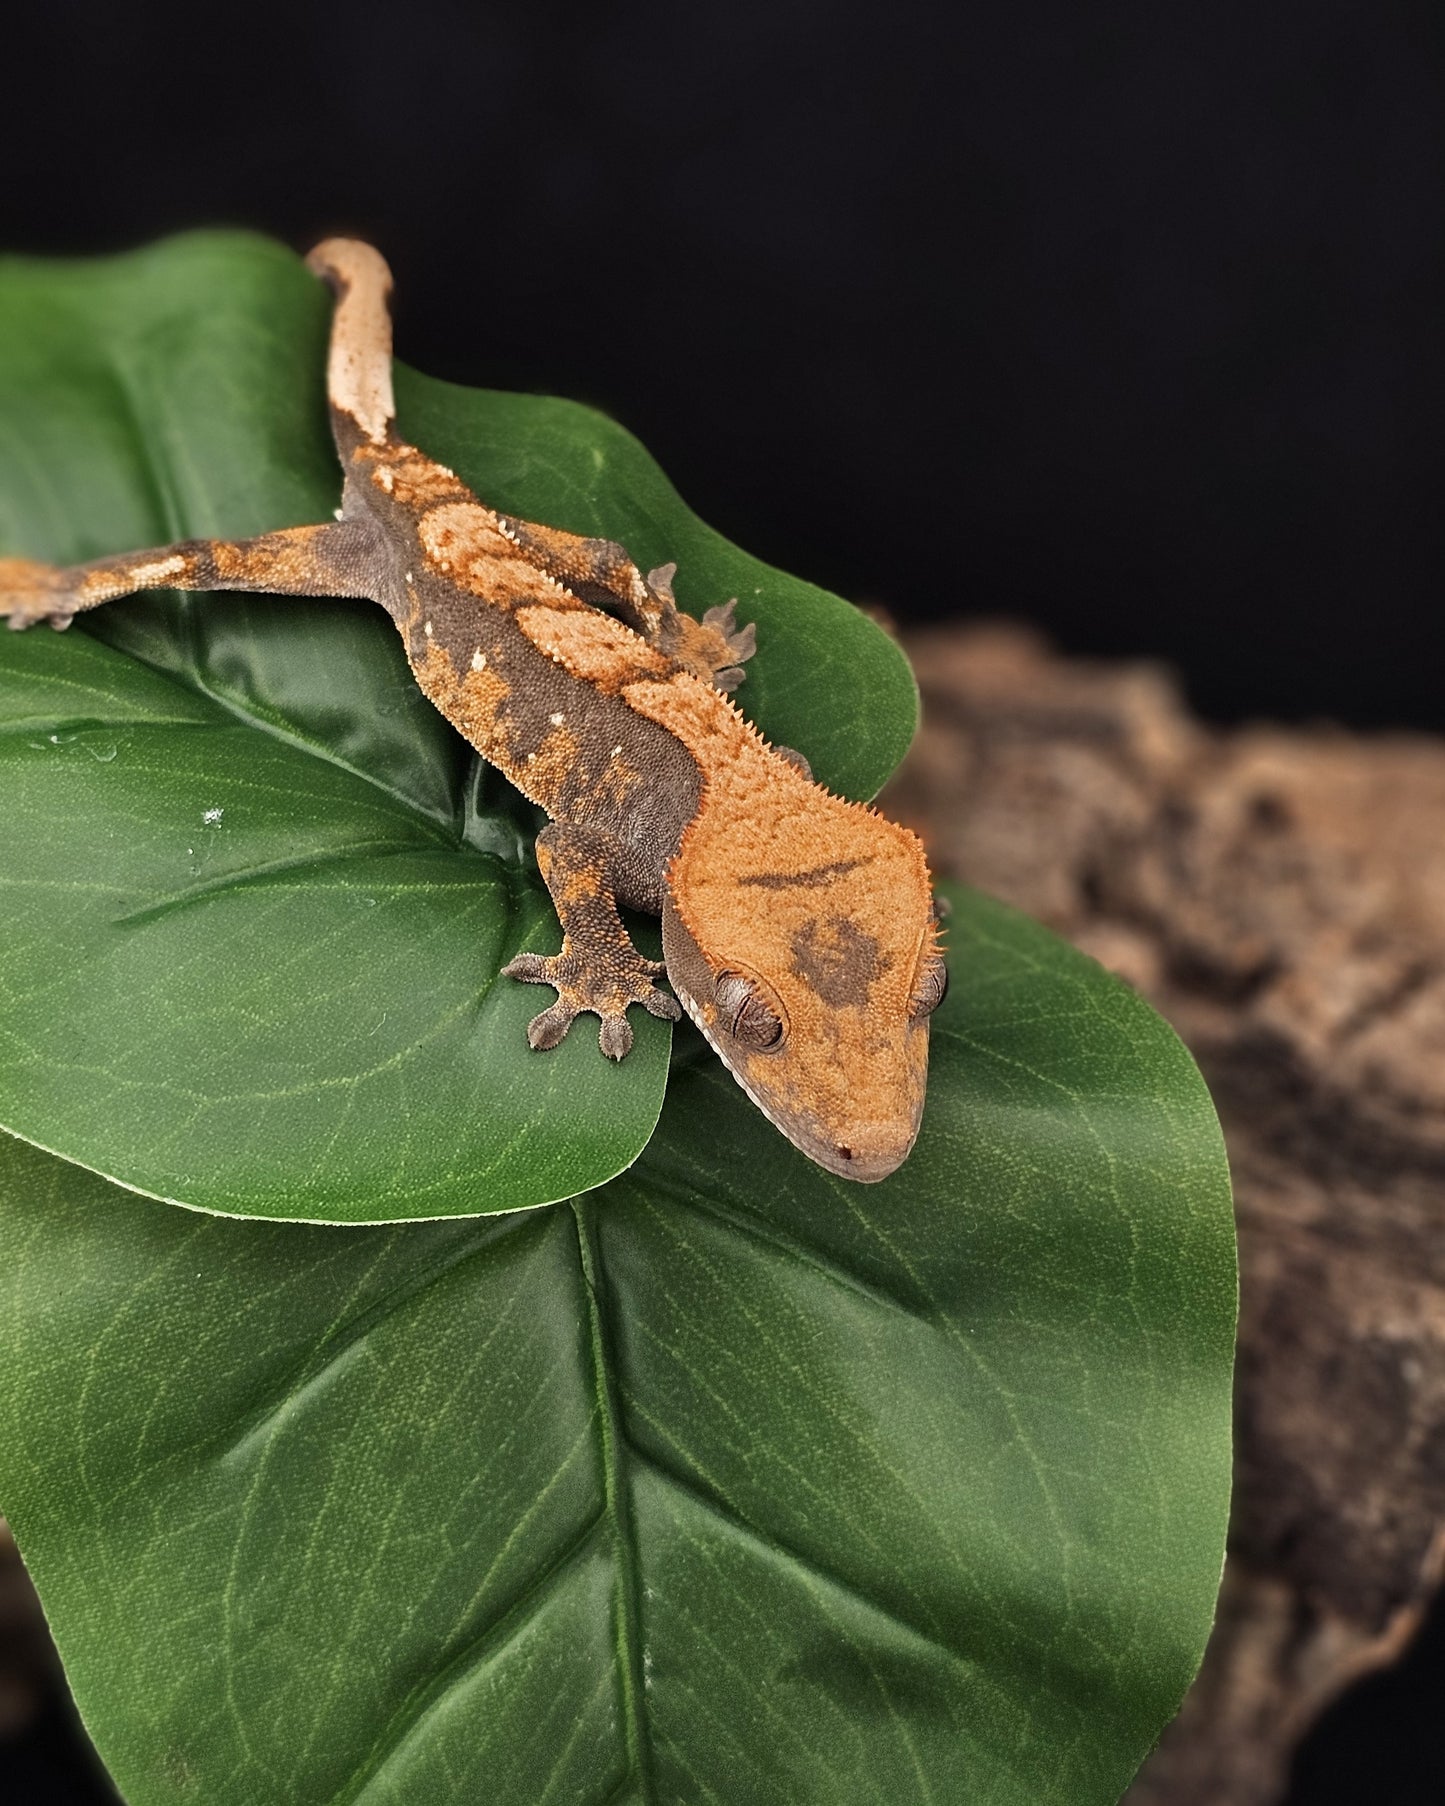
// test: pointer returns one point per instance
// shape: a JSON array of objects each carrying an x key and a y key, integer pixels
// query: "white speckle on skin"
[
  {"x": 479, "y": 660},
  {"x": 386, "y": 476},
  {"x": 147, "y": 576},
  {"x": 615, "y": 751},
  {"x": 426, "y": 628},
  {"x": 557, "y": 719},
  {"x": 410, "y": 578},
  {"x": 338, "y": 514}
]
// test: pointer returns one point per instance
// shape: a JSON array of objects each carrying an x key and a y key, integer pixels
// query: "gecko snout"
[{"x": 871, "y": 1151}]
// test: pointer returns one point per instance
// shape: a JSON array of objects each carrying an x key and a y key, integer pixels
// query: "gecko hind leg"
[
  {"x": 600, "y": 572},
  {"x": 598, "y": 968},
  {"x": 335, "y": 559}
]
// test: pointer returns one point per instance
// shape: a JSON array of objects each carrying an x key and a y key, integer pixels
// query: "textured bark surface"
[{"x": 1280, "y": 896}]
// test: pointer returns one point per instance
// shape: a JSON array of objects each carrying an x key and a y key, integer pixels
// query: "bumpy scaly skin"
[{"x": 798, "y": 928}]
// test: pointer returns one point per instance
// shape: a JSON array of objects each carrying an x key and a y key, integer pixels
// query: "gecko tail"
[{"x": 358, "y": 367}]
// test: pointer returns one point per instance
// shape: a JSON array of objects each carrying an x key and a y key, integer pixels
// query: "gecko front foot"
[
  {"x": 31, "y": 592},
  {"x": 606, "y": 987}
]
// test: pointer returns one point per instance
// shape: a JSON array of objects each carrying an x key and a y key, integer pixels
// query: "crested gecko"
[{"x": 798, "y": 929}]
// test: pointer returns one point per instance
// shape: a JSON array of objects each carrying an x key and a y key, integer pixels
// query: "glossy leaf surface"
[
  {"x": 257, "y": 893},
  {"x": 730, "y": 1483}
]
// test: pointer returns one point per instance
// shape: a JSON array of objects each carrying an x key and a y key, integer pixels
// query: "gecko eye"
[
  {"x": 746, "y": 1012},
  {"x": 929, "y": 988}
]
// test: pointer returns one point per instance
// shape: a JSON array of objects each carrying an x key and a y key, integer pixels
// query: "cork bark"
[{"x": 1279, "y": 895}]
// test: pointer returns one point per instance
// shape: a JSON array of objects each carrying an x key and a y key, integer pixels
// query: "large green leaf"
[
  {"x": 731, "y": 1483},
  {"x": 256, "y": 893}
]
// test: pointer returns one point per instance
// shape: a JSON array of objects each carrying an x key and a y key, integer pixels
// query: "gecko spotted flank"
[{"x": 798, "y": 929}]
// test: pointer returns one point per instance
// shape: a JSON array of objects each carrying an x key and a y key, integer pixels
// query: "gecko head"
[{"x": 813, "y": 979}]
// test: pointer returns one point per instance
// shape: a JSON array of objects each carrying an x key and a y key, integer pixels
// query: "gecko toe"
[
  {"x": 529, "y": 968},
  {"x": 744, "y": 643},
  {"x": 546, "y": 1030},
  {"x": 660, "y": 581},
  {"x": 615, "y": 1037},
  {"x": 658, "y": 1003}
]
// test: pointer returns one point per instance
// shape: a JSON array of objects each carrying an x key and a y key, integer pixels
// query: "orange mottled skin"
[{"x": 798, "y": 929}]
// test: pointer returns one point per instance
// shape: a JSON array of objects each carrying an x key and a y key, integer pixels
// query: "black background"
[{"x": 1124, "y": 319}]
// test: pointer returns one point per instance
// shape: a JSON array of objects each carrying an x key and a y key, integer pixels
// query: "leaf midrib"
[{"x": 616, "y": 1502}]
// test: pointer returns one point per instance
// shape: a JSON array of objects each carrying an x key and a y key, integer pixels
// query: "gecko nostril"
[{"x": 845, "y": 1153}]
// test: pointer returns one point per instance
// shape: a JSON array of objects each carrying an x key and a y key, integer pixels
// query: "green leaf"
[
  {"x": 256, "y": 892},
  {"x": 731, "y": 1482}
]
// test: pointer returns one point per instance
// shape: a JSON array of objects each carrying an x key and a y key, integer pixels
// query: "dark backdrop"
[{"x": 1123, "y": 318}]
